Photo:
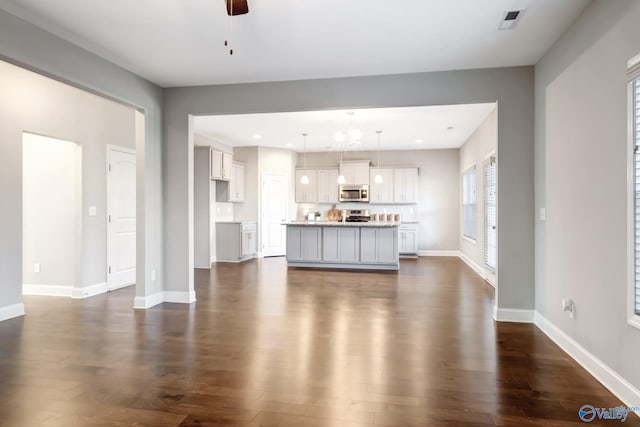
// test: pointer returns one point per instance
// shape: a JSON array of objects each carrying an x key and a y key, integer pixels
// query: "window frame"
[
  {"x": 465, "y": 172},
  {"x": 633, "y": 74}
]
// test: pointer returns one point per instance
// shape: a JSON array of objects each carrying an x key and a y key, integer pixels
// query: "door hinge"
[
  {"x": 109, "y": 269},
  {"x": 109, "y": 167},
  {"x": 109, "y": 219}
]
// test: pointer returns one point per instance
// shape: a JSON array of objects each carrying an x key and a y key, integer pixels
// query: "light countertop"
[{"x": 373, "y": 224}]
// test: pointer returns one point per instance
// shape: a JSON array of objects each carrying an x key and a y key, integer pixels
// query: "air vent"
[{"x": 510, "y": 19}]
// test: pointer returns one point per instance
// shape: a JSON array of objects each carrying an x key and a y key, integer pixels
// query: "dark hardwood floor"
[{"x": 267, "y": 346}]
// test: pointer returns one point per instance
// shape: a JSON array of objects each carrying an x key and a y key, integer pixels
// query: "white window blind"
[
  {"x": 490, "y": 206},
  {"x": 469, "y": 203},
  {"x": 636, "y": 189}
]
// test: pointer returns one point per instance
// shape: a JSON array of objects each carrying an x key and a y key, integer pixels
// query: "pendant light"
[
  {"x": 378, "y": 178},
  {"x": 341, "y": 178},
  {"x": 305, "y": 178}
]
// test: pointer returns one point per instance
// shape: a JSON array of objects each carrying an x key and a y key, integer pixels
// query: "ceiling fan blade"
[{"x": 240, "y": 7}]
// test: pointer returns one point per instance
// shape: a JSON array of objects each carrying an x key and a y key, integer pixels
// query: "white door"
[
  {"x": 121, "y": 218},
  {"x": 490, "y": 214},
  {"x": 275, "y": 189}
]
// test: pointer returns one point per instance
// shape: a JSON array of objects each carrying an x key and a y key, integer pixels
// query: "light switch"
[
  {"x": 543, "y": 214},
  {"x": 36, "y": 268},
  {"x": 93, "y": 211},
  {"x": 153, "y": 275}
]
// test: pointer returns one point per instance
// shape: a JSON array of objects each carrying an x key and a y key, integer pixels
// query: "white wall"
[
  {"x": 37, "y": 104},
  {"x": 25, "y": 44},
  {"x": 51, "y": 212},
  {"x": 438, "y": 209},
  {"x": 475, "y": 152},
  {"x": 581, "y": 164}
]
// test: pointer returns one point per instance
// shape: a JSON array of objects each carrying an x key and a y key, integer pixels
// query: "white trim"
[
  {"x": 89, "y": 291},
  {"x": 115, "y": 288},
  {"x": 516, "y": 315},
  {"x": 11, "y": 311},
  {"x": 470, "y": 240},
  {"x": 121, "y": 149},
  {"x": 180, "y": 297},
  {"x": 439, "y": 253},
  {"x": 149, "y": 301},
  {"x": 47, "y": 290},
  {"x": 212, "y": 260},
  {"x": 609, "y": 378},
  {"x": 632, "y": 318}
]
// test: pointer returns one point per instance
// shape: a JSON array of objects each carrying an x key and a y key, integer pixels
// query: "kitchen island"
[{"x": 349, "y": 245}]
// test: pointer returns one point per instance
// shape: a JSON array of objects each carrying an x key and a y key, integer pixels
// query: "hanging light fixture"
[
  {"x": 341, "y": 178},
  {"x": 352, "y": 135},
  {"x": 305, "y": 178},
  {"x": 378, "y": 178}
]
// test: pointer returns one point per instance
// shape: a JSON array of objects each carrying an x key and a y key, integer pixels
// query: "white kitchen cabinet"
[
  {"x": 405, "y": 185},
  {"x": 249, "y": 237},
  {"x": 236, "y": 241},
  {"x": 341, "y": 244},
  {"x": 304, "y": 243},
  {"x": 381, "y": 192},
  {"x": 220, "y": 168},
  {"x": 306, "y": 193},
  {"x": 236, "y": 184},
  {"x": 355, "y": 172},
  {"x": 379, "y": 245},
  {"x": 327, "y": 185},
  {"x": 408, "y": 239}
]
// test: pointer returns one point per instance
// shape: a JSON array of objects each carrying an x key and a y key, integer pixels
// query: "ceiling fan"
[{"x": 237, "y": 7}]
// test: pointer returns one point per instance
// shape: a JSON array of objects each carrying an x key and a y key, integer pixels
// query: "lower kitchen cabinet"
[
  {"x": 236, "y": 241},
  {"x": 341, "y": 244},
  {"x": 304, "y": 244},
  {"x": 379, "y": 245},
  {"x": 408, "y": 239}
]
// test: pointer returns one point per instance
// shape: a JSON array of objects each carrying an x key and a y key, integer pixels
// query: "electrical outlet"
[
  {"x": 36, "y": 268},
  {"x": 543, "y": 214},
  {"x": 153, "y": 275}
]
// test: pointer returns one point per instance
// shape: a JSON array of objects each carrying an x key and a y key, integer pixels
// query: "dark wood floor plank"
[{"x": 267, "y": 346}]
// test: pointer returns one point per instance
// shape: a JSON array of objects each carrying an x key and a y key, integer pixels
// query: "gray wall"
[
  {"x": 36, "y": 49},
  {"x": 511, "y": 87},
  {"x": 474, "y": 152},
  {"x": 438, "y": 209},
  {"x": 581, "y": 155}
]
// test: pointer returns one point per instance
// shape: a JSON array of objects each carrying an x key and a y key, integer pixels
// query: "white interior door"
[
  {"x": 275, "y": 190},
  {"x": 490, "y": 214},
  {"x": 121, "y": 218}
]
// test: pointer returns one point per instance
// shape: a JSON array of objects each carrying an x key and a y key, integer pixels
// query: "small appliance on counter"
[{"x": 358, "y": 215}]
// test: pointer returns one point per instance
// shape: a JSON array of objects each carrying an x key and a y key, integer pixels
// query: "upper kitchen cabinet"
[
  {"x": 355, "y": 172},
  {"x": 221, "y": 165},
  {"x": 236, "y": 184},
  {"x": 306, "y": 193},
  {"x": 405, "y": 185},
  {"x": 327, "y": 188},
  {"x": 381, "y": 192}
]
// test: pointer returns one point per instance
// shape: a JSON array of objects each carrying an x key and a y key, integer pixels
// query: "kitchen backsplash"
[
  {"x": 407, "y": 212},
  {"x": 224, "y": 211}
]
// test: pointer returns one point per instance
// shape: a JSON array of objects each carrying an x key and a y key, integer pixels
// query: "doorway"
[
  {"x": 51, "y": 215},
  {"x": 121, "y": 217},
  {"x": 274, "y": 203}
]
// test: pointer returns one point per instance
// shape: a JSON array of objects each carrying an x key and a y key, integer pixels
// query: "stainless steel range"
[{"x": 358, "y": 215}]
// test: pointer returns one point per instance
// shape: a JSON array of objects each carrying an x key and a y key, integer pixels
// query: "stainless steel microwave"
[{"x": 354, "y": 193}]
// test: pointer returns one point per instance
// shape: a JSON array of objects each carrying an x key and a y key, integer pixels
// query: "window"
[
  {"x": 635, "y": 143},
  {"x": 490, "y": 206},
  {"x": 469, "y": 203}
]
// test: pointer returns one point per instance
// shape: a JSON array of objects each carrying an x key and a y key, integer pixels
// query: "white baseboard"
[
  {"x": 513, "y": 315},
  {"x": 149, "y": 301},
  {"x": 212, "y": 259},
  {"x": 438, "y": 253},
  {"x": 47, "y": 290},
  {"x": 626, "y": 392},
  {"x": 180, "y": 297},
  {"x": 89, "y": 291},
  {"x": 11, "y": 311}
]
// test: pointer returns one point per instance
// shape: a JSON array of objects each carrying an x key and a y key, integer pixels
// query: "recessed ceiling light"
[
  {"x": 288, "y": 145},
  {"x": 419, "y": 141},
  {"x": 257, "y": 136}
]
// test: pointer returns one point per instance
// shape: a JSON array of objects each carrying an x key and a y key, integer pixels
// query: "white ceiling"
[
  {"x": 180, "y": 42},
  {"x": 447, "y": 126}
]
